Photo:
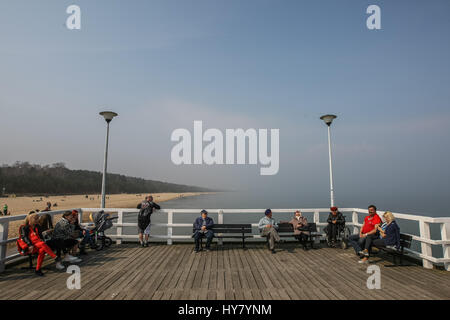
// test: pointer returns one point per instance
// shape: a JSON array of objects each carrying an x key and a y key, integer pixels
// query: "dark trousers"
[
  {"x": 361, "y": 243},
  {"x": 87, "y": 239},
  {"x": 59, "y": 245},
  {"x": 379, "y": 243},
  {"x": 198, "y": 235},
  {"x": 303, "y": 238}
]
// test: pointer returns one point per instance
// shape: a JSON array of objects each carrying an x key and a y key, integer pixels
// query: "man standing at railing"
[
  {"x": 268, "y": 228},
  {"x": 367, "y": 233},
  {"x": 146, "y": 209}
]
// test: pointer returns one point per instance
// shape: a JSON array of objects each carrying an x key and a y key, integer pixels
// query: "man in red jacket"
[{"x": 367, "y": 233}]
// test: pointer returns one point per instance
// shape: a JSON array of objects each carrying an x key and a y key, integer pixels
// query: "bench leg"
[{"x": 30, "y": 263}]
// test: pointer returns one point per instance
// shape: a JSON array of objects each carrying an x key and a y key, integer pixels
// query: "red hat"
[
  {"x": 333, "y": 208},
  {"x": 74, "y": 211}
]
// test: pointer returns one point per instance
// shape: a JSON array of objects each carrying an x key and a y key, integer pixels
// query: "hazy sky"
[{"x": 236, "y": 64}]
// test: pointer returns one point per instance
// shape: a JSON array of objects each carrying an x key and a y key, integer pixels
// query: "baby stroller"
[{"x": 102, "y": 222}]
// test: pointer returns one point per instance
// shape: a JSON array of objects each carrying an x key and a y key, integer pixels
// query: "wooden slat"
[{"x": 164, "y": 272}]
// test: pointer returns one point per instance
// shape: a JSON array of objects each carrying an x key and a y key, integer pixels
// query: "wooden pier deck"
[{"x": 163, "y": 272}]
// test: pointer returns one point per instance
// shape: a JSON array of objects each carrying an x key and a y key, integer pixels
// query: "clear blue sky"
[{"x": 255, "y": 63}]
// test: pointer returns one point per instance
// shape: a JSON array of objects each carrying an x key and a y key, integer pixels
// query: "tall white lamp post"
[
  {"x": 328, "y": 119},
  {"x": 108, "y": 115}
]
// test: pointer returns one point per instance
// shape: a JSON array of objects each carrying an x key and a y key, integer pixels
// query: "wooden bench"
[
  {"x": 405, "y": 242},
  {"x": 229, "y": 231},
  {"x": 286, "y": 229}
]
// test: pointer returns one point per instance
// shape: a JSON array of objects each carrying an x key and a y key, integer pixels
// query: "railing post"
[
  {"x": 169, "y": 228},
  {"x": 426, "y": 247},
  {"x": 119, "y": 228},
  {"x": 220, "y": 221},
  {"x": 355, "y": 222},
  {"x": 3, "y": 247},
  {"x": 80, "y": 216},
  {"x": 316, "y": 219},
  {"x": 445, "y": 236}
]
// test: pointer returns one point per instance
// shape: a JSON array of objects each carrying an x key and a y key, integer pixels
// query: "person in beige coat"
[{"x": 300, "y": 224}]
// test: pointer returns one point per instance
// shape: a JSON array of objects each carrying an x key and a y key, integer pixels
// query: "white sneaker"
[
  {"x": 363, "y": 261},
  {"x": 60, "y": 266},
  {"x": 69, "y": 258}
]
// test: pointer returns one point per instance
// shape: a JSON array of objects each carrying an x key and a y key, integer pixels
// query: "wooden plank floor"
[{"x": 163, "y": 272}]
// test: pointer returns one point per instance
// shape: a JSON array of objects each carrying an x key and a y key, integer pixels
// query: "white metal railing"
[{"x": 424, "y": 222}]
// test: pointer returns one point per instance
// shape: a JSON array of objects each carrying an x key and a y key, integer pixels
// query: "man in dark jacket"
[
  {"x": 146, "y": 209},
  {"x": 202, "y": 228},
  {"x": 335, "y": 221}
]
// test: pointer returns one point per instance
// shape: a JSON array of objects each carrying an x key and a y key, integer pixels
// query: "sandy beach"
[{"x": 23, "y": 205}]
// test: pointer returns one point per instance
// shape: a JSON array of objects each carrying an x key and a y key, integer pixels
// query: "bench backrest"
[
  {"x": 231, "y": 228},
  {"x": 312, "y": 226},
  {"x": 285, "y": 227},
  {"x": 405, "y": 240}
]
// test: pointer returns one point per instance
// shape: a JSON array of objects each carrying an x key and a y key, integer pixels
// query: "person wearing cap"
[
  {"x": 335, "y": 221},
  {"x": 202, "y": 228},
  {"x": 268, "y": 228}
]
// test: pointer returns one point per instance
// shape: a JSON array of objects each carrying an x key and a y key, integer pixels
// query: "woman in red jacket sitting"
[{"x": 31, "y": 234}]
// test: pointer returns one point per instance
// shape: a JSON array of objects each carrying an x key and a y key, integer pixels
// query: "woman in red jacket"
[{"x": 31, "y": 234}]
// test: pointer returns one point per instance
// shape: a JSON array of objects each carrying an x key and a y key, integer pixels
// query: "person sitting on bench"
[
  {"x": 268, "y": 228},
  {"x": 63, "y": 238},
  {"x": 389, "y": 234},
  {"x": 31, "y": 234},
  {"x": 202, "y": 227},
  {"x": 367, "y": 233},
  {"x": 301, "y": 231},
  {"x": 83, "y": 233},
  {"x": 335, "y": 221}
]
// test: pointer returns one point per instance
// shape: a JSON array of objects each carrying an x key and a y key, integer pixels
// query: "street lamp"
[
  {"x": 328, "y": 119},
  {"x": 108, "y": 115}
]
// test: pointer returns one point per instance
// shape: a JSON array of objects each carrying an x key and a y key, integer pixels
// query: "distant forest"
[{"x": 24, "y": 178}]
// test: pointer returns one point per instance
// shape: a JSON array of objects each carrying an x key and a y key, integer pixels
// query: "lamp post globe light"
[
  {"x": 108, "y": 115},
  {"x": 328, "y": 119}
]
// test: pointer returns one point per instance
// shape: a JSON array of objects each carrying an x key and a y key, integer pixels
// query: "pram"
[{"x": 102, "y": 222}]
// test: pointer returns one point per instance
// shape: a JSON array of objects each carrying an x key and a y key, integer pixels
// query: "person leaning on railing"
[
  {"x": 144, "y": 222},
  {"x": 367, "y": 233},
  {"x": 268, "y": 228},
  {"x": 31, "y": 234}
]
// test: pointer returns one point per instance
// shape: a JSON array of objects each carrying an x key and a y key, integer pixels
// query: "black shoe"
[
  {"x": 83, "y": 252},
  {"x": 273, "y": 251},
  {"x": 142, "y": 244},
  {"x": 305, "y": 248},
  {"x": 146, "y": 244},
  {"x": 39, "y": 273},
  {"x": 93, "y": 246},
  {"x": 196, "y": 250}
]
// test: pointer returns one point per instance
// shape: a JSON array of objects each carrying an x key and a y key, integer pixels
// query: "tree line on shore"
[{"x": 23, "y": 178}]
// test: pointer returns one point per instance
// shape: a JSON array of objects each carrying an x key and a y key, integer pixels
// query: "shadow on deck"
[{"x": 175, "y": 272}]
